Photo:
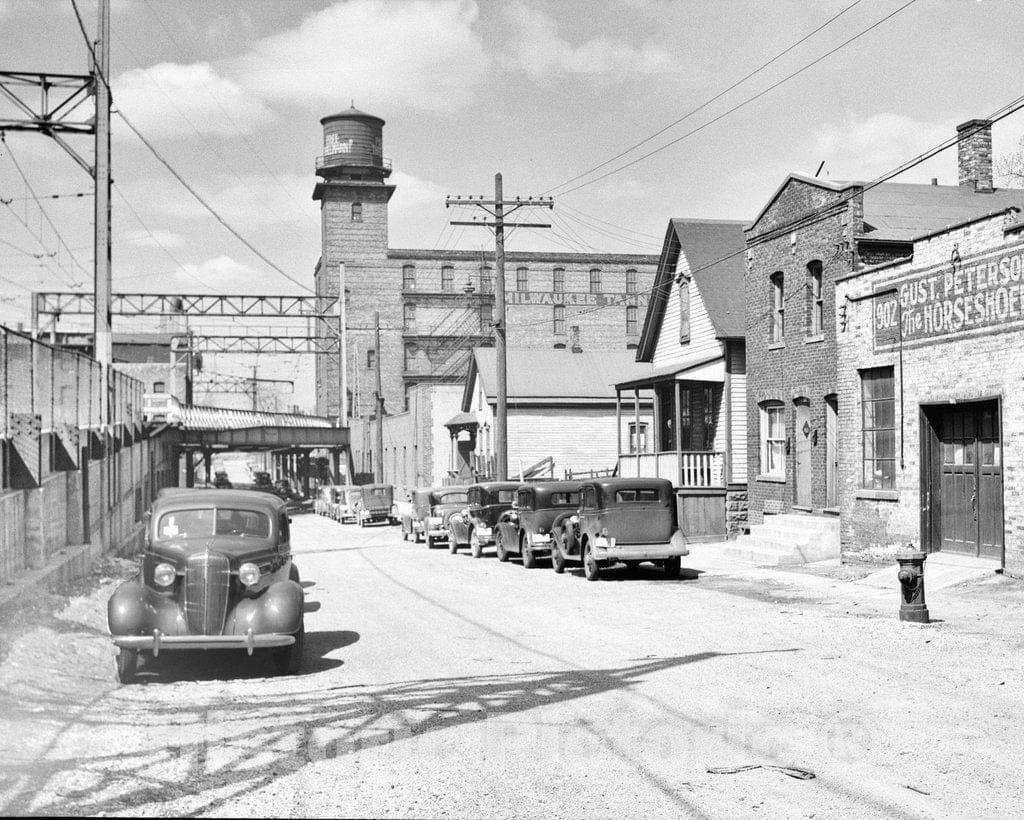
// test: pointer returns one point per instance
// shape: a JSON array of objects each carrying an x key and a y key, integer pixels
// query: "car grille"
[{"x": 207, "y": 581}]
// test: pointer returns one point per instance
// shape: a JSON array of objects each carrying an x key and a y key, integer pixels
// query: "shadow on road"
[{"x": 288, "y": 730}]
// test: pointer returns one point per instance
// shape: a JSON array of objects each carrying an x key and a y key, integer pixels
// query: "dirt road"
[{"x": 445, "y": 686}]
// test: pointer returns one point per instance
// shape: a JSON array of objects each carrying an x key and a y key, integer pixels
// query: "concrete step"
[
  {"x": 788, "y": 539},
  {"x": 802, "y": 522}
]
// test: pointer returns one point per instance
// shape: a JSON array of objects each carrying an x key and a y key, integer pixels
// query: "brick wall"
[
  {"x": 959, "y": 368},
  {"x": 801, "y": 366}
]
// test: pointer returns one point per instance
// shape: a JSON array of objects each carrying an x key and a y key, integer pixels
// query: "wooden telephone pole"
[
  {"x": 378, "y": 467},
  {"x": 499, "y": 208}
]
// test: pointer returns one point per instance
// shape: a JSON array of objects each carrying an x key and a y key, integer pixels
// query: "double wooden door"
[{"x": 964, "y": 481}]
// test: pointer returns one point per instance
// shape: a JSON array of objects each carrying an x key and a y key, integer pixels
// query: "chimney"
[{"x": 974, "y": 154}]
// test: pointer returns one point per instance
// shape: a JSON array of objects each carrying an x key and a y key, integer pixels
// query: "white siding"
[
  {"x": 737, "y": 365},
  {"x": 577, "y": 439},
  {"x": 702, "y": 344}
]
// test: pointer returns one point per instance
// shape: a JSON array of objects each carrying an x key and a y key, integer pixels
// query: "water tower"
[{"x": 353, "y": 148}]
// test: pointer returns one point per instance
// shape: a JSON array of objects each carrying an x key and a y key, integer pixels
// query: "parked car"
[
  {"x": 347, "y": 506},
  {"x": 540, "y": 508},
  {"x": 262, "y": 482},
  {"x": 474, "y": 525},
  {"x": 326, "y": 498},
  {"x": 216, "y": 573},
  {"x": 377, "y": 504},
  {"x": 221, "y": 480},
  {"x": 621, "y": 519},
  {"x": 432, "y": 506}
]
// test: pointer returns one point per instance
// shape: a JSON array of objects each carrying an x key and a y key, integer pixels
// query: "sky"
[{"x": 564, "y": 98}]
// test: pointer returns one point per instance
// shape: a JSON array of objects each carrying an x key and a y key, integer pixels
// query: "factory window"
[
  {"x": 357, "y": 211},
  {"x": 158, "y": 387},
  {"x": 371, "y": 358},
  {"x": 595, "y": 280},
  {"x": 559, "y": 317},
  {"x": 631, "y": 281},
  {"x": 408, "y": 277},
  {"x": 878, "y": 408},
  {"x": 684, "y": 310},
  {"x": 773, "y": 440},
  {"x": 522, "y": 280},
  {"x": 631, "y": 320},
  {"x": 777, "y": 316},
  {"x": 486, "y": 280},
  {"x": 558, "y": 280},
  {"x": 486, "y": 317},
  {"x": 447, "y": 278},
  {"x": 409, "y": 317},
  {"x": 815, "y": 302}
]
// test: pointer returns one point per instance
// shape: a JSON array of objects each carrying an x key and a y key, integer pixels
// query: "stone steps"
[{"x": 788, "y": 539}]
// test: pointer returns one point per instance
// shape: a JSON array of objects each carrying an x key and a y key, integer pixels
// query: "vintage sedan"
[
  {"x": 432, "y": 506},
  {"x": 621, "y": 519},
  {"x": 346, "y": 508},
  {"x": 216, "y": 573},
  {"x": 376, "y": 504},
  {"x": 474, "y": 525},
  {"x": 540, "y": 509}
]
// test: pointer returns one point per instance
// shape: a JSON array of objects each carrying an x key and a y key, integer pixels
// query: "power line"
[
  {"x": 708, "y": 102},
  {"x": 736, "y": 107}
]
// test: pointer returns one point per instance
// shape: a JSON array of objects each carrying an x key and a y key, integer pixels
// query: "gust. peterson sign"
[{"x": 983, "y": 293}]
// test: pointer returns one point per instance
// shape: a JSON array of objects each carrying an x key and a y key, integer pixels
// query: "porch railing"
[{"x": 686, "y": 469}]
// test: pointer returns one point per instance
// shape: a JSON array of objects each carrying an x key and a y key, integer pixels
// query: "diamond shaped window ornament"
[{"x": 807, "y": 429}]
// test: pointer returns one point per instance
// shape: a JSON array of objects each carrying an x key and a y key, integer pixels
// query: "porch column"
[
  {"x": 636, "y": 413},
  {"x": 677, "y": 390},
  {"x": 656, "y": 416},
  {"x": 618, "y": 423}
]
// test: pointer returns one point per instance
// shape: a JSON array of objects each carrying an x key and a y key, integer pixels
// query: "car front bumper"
[{"x": 157, "y": 641}]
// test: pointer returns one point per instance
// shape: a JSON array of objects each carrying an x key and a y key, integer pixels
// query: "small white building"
[{"x": 561, "y": 413}]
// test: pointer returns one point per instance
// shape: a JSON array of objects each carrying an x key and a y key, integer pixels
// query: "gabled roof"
[
  {"x": 901, "y": 212},
  {"x": 539, "y": 375},
  {"x": 714, "y": 250}
]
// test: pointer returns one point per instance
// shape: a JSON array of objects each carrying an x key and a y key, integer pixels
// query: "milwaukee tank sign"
[
  {"x": 981, "y": 294},
  {"x": 518, "y": 297}
]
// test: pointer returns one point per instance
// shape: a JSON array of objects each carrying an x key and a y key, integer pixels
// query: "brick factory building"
[
  {"x": 436, "y": 305},
  {"x": 810, "y": 234},
  {"x": 929, "y": 382}
]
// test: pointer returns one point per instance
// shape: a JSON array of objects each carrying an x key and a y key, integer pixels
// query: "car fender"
[
  {"x": 135, "y": 609},
  {"x": 278, "y": 609}
]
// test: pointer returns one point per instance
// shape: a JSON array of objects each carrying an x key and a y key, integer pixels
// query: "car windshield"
[
  {"x": 209, "y": 521},
  {"x": 451, "y": 498},
  {"x": 636, "y": 494}
]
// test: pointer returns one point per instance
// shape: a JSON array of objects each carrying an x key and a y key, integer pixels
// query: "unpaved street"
[{"x": 439, "y": 685}]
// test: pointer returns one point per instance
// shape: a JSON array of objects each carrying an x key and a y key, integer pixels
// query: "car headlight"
[
  {"x": 163, "y": 575},
  {"x": 434, "y": 520},
  {"x": 248, "y": 574}
]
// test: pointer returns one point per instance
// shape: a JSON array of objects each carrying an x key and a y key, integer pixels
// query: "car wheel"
[
  {"x": 430, "y": 541},
  {"x": 632, "y": 567},
  {"x": 590, "y": 566},
  {"x": 476, "y": 549},
  {"x": 293, "y": 573},
  {"x": 499, "y": 547},
  {"x": 288, "y": 659},
  {"x": 672, "y": 567},
  {"x": 127, "y": 665},
  {"x": 529, "y": 559},
  {"x": 557, "y": 561},
  {"x": 453, "y": 544}
]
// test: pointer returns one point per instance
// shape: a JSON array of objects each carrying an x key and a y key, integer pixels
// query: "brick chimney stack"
[{"x": 974, "y": 154}]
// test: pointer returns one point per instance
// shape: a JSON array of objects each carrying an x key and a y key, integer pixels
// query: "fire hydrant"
[{"x": 911, "y": 577}]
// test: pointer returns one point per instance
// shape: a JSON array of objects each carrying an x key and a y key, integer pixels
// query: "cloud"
[
  {"x": 173, "y": 100},
  {"x": 416, "y": 210},
  {"x": 419, "y": 54},
  {"x": 876, "y": 144},
  {"x": 534, "y": 46},
  {"x": 219, "y": 274},
  {"x": 155, "y": 238}
]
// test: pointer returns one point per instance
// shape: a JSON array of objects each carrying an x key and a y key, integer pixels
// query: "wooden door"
[
  {"x": 831, "y": 452},
  {"x": 969, "y": 472},
  {"x": 802, "y": 434}
]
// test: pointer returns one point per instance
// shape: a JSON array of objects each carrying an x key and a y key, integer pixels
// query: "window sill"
[
  {"x": 776, "y": 345},
  {"x": 810, "y": 340},
  {"x": 772, "y": 479},
  {"x": 877, "y": 495}
]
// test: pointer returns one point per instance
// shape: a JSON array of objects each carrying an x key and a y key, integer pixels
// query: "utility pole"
[
  {"x": 254, "y": 388},
  {"x": 103, "y": 345},
  {"x": 342, "y": 351},
  {"x": 500, "y": 208},
  {"x": 378, "y": 467}
]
